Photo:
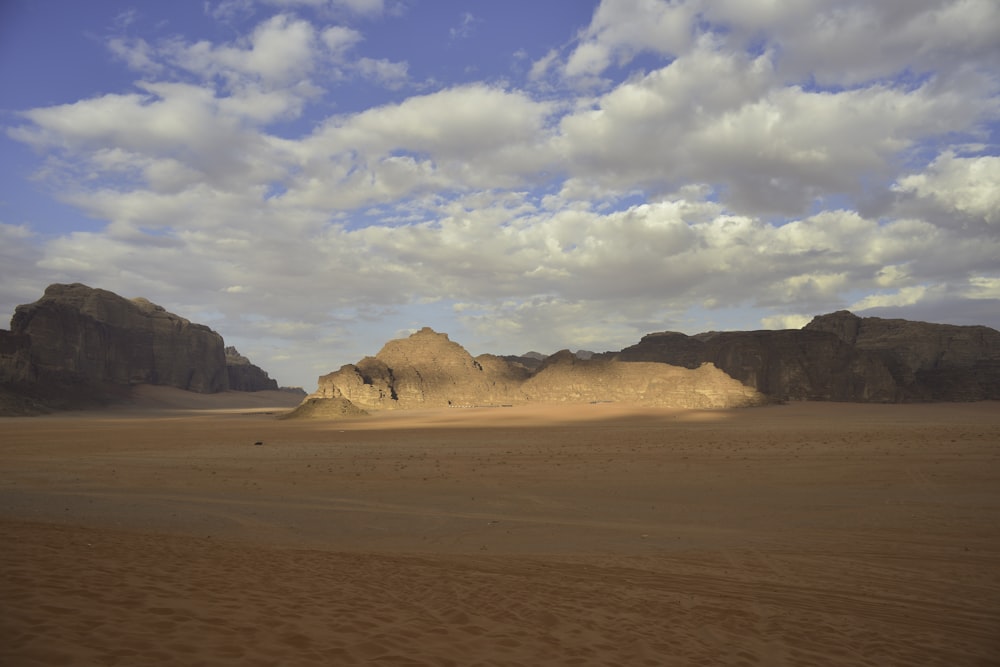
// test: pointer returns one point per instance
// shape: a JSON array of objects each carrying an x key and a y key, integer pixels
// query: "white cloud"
[
  {"x": 967, "y": 186},
  {"x": 384, "y": 72},
  {"x": 340, "y": 39},
  {"x": 716, "y": 178},
  {"x": 363, "y": 7},
  {"x": 906, "y": 296},
  {"x": 984, "y": 287},
  {"x": 726, "y": 120},
  {"x": 620, "y": 29},
  {"x": 786, "y": 321},
  {"x": 466, "y": 27},
  {"x": 280, "y": 52},
  {"x": 838, "y": 42}
]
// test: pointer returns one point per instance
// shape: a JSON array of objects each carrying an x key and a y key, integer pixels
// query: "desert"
[{"x": 200, "y": 529}]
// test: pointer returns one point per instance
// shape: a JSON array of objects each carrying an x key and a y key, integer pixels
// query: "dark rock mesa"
[
  {"x": 244, "y": 376},
  {"x": 78, "y": 346},
  {"x": 843, "y": 357}
]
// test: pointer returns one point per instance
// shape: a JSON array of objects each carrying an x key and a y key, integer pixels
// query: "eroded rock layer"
[
  {"x": 843, "y": 357},
  {"x": 96, "y": 336},
  {"x": 78, "y": 346},
  {"x": 245, "y": 376},
  {"x": 429, "y": 370}
]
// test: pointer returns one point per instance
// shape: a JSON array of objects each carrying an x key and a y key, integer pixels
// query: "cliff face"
[
  {"x": 77, "y": 346},
  {"x": 429, "y": 370},
  {"x": 842, "y": 357},
  {"x": 100, "y": 337},
  {"x": 244, "y": 376},
  {"x": 425, "y": 370},
  {"x": 928, "y": 362},
  {"x": 565, "y": 378}
]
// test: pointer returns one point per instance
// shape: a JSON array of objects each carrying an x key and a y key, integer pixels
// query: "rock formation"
[
  {"x": 79, "y": 346},
  {"x": 429, "y": 370},
  {"x": 425, "y": 370},
  {"x": 842, "y": 357},
  {"x": 96, "y": 336},
  {"x": 325, "y": 408},
  {"x": 566, "y": 378},
  {"x": 929, "y": 362},
  {"x": 244, "y": 376}
]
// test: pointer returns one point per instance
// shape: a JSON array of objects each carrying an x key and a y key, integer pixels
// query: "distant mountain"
[
  {"x": 836, "y": 357},
  {"x": 429, "y": 370},
  {"x": 843, "y": 357},
  {"x": 78, "y": 346},
  {"x": 244, "y": 376}
]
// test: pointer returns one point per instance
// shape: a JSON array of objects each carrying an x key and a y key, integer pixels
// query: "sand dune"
[{"x": 812, "y": 534}]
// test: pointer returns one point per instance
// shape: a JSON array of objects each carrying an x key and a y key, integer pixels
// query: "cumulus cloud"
[
  {"x": 962, "y": 189},
  {"x": 726, "y": 173},
  {"x": 620, "y": 29},
  {"x": 22, "y": 279},
  {"x": 833, "y": 42}
]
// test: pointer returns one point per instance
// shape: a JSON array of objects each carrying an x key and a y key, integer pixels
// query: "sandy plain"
[{"x": 801, "y": 534}]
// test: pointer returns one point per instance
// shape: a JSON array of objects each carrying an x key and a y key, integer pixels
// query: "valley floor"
[{"x": 802, "y": 534}]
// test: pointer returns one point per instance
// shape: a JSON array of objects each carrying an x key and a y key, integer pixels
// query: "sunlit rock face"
[
  {"x": 429, "y": 370},
  {"x": 425, "y": 370},
  {"x": 564, "y": 377},
  {"x": 843, "y": 357}
]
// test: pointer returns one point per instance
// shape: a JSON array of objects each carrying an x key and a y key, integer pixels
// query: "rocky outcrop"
[
  {"x": 244, "y": 376},
  {"x": 325, "y": 408},
  {"x": 928, "y": 362},
  {"x": 842, "y": 357},
  {"x": 566, "y": 378},
  {"x": 78, "y": 346},
  {"x": 425, "y": 370},
  {"x": 96, "y": 336},
  {"x": 429, "y": 370}
]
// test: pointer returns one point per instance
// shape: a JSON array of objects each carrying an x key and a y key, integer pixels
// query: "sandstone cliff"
[
  {"x": 96, "y": 336},
  {"x": 429, "y": 370},
  {"x": 79, "y": 346},
  {"x": 244, "y": 376},
  {"x": 928, "y": 362},
  {"x": 566, "y": 378},
  {"x": 842, "y": 357},
  {"x": 425, "y": 370}
]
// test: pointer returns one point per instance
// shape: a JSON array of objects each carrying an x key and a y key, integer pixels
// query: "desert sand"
[{"x": 161, "y": 533}]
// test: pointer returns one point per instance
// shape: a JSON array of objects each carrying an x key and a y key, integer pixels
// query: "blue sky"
[{"x": 314, "y": 177}]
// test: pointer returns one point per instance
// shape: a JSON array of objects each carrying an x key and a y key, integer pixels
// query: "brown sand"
[{"x": 808, "y": 534}]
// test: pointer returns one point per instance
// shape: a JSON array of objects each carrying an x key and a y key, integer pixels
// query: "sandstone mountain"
[
  {"x": 425, "y": 370},
  {"x": 429, "y": 370},
  {"x": 78, "y": 345},
  {"x": 929, "y": 362},
  {"x": 566, "y": 378},
  {"x": 244, "y": 376},
  {"x": 843, "y": 357}
]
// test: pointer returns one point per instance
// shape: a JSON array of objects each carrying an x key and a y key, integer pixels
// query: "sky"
[{"x": 312, "y": 178}]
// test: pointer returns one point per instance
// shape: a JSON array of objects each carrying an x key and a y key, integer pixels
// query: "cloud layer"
[{"x": 674, "y": 165}]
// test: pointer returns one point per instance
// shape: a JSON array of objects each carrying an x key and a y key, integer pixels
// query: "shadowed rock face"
[
  {"x": 100, "y": 337},
  {"x": 929, "y": 362},
  {"x": 429, "y": 370},
  {"x": 843, "y": 357},
  {"x": 78, "y": 346},
  {"x": 244, "y": 376}
]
